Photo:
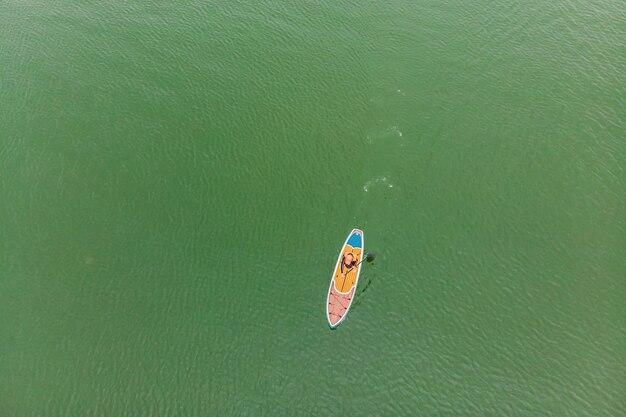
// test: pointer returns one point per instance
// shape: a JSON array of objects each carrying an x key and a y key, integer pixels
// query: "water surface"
[{"x": 176, "y": 179}]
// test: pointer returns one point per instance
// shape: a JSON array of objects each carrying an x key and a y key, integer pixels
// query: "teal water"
[{"x": 177, "y": 178}]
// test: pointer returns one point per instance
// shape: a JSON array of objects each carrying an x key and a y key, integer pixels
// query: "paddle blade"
[{"x": 370, "y": 256}]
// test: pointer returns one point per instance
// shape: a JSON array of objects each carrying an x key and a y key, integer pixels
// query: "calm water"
[{"x": 176, "y": 179}]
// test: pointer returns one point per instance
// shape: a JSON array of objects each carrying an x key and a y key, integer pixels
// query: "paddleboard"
[{"x": 344, "y": 280}]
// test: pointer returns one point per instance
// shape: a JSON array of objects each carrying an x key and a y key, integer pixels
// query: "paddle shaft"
[{"x": 345, "y": 276}]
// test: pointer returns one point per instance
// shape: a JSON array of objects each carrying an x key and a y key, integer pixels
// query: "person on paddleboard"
[{"x": 348, "y": 260}]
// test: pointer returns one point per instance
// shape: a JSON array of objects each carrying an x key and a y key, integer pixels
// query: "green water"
[{"x": 177, "y": 178}]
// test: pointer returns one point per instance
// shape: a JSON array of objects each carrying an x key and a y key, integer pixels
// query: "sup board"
[{"x": 344, "y": 280}]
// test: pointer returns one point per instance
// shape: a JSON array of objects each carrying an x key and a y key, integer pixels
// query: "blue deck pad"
[{"x": 355, "y": 241}]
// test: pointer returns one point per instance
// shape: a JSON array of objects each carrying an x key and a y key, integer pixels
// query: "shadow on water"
[{"x": 358, "y": 299}]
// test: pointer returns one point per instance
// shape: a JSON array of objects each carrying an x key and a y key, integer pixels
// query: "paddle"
[{"x": 369, "y": 257}]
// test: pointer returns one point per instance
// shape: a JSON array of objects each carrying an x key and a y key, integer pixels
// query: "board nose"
[{"x": 356, "y": 240}]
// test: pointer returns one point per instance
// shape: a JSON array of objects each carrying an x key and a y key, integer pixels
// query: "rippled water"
[{"x": 176, "y": 179}]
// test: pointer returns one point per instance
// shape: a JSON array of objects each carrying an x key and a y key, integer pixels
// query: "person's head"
[{"x": 349, "y": 258}]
